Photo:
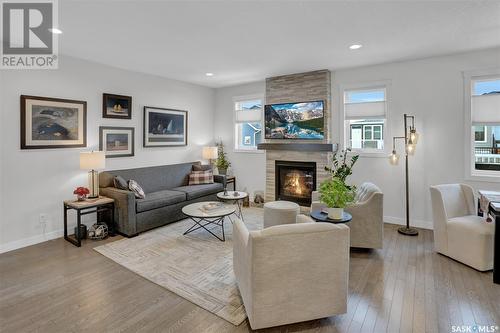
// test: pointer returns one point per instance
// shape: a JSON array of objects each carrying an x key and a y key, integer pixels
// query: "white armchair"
[
  {"x": 458, "y": 232},
  {"x": 367, "y": 225},
  {"x": 291, "y": 273}
]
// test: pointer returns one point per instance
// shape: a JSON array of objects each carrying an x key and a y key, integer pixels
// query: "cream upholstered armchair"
[
  {"x": 367, "y": 225},
  {"x": 292, "y": 272},
  {"x": 458, "y": 232}
]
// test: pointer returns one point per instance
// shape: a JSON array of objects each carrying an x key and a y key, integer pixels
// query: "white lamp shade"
[
  {"x": 368, "y": 110},
  {"x": 486, "y": 109},
  {"x": 209, "y": 153},
  {"x": 94, "y": 160}
]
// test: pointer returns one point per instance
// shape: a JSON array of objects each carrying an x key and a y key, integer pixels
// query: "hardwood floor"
[{"x": 406, "y": 287}]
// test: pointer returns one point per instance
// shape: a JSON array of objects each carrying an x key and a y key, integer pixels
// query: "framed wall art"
[
  {"x": 52, "y": 123},
  {"x": 116, "y": 106},
  {"x": 164, "y": 127},
  {"x": 116, "y": 141}
]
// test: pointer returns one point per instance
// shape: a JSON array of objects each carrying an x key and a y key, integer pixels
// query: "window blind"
[
  {"x": 366, "y": 110},
  {"x": 486, "y": 109}
]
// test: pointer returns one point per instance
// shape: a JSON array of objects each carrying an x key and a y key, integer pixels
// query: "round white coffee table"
[
  {"x": 235, "y": 197},
  {"x": 203, "y": 217}
]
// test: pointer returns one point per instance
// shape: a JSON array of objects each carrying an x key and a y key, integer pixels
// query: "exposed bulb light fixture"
[
  {"x": 410, "y": 149},
  {"x": 394, "y": 158},
  {"x": 355, "y": 46},
  {"x": 413, "y": 136},
  {"x": 410, "y": 139},
  {"x": 55, "y": 31},
  {"x": 209, "y": 74}
]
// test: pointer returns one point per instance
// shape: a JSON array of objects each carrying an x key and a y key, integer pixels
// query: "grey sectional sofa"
[{"x": 167, "y": 191}]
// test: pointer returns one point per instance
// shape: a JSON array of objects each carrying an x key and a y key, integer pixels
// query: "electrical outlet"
[{"x": 43, "y": 219}]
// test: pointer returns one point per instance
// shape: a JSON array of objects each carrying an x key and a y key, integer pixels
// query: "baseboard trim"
[
  {"x": 414, "y": 223},
  {"x": 14, "y": 245}
]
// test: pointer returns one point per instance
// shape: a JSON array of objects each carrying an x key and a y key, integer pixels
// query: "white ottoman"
[{"x": 280, "y": 212}]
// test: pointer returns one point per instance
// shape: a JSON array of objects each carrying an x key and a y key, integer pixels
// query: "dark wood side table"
[
  {"x": 88, "y": 206},
  {"x": 231, "y": 180}
]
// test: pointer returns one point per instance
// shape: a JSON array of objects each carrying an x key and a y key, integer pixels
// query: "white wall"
[
  {"x": 432, "y": 90},
  {"x": 37, "y": 181},
  {"x": 249, "y": 167}
]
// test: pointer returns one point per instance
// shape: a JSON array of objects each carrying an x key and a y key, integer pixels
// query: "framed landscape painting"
[
  {"x": 116, "y": 141},
  {"x": 164, "y": 127},
  {"x": 116, "y": 106},
  {"x": 52, "y": 123}
]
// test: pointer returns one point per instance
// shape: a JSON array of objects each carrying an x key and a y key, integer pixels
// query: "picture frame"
[
  {"x": 116, "y": 106},
  {"x": 48, "y": 122},
  {"x": 165, "y": 127},
  {"x": 117, "y": 141}
]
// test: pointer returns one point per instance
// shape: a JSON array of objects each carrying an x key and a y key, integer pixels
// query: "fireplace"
[{"x": 295, "y": 181}]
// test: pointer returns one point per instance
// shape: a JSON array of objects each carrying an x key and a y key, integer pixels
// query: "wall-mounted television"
[{"x": 304, "y": 120}]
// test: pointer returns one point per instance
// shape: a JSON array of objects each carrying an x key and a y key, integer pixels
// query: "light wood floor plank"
[{"x": 406, "y": 287}]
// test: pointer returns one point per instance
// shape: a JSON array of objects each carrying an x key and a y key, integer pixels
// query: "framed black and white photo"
[
  {"x": 164, "y": 127},
  {"x": 116, "y": 106},
  {"x": 53, "y": 123},
  {"x": 116, "y": 141}
]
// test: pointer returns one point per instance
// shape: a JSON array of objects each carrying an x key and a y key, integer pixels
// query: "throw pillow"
[
  {"x": 137, "y": 189},
  {"x": 202, "y": 167},
  {"x": 120, "y": 183},
  {"x": 201, "y": 177}
]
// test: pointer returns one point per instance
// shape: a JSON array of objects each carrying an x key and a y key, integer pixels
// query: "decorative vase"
[
  {"x": 81, "y": 197},
  {"x": 335, "y": 213},
  {"x": 222, "y": 171}
]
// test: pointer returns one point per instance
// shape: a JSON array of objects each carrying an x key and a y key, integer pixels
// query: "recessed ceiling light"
[
  {"x": 209, "y": 74},
  {"x": 55, "y": 31},
  {"x": 355, "y": 46}
]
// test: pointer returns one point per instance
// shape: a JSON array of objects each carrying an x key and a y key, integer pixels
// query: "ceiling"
[{"x": 245, "y": 41}]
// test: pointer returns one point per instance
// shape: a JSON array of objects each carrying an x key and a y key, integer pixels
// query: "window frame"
[
  {"x": 469, "y": 153},
  {"x": 386, "y": 128},
  {"x": 238, "y": 99}
]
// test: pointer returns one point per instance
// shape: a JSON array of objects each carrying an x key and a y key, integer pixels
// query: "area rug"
[{"x": 197, "y": 267}]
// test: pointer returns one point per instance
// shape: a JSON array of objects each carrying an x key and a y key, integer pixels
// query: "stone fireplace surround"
[{"x": 301, "y": 87}]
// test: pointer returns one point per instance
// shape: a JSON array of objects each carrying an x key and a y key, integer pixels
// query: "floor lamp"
[{"x": 410, "y": 138}]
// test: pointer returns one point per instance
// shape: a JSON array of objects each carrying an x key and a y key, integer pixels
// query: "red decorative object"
[{"x": 81, "y": 193}]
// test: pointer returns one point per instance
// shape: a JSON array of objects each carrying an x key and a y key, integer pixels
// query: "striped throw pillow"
[
  {"x": 137, "y": 189},
  {"x": 201, "y": 177}
]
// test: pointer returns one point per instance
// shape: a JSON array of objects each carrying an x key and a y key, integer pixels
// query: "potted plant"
[
  {"x": 336, "y": 194},
  {"x": 81, "y": 193},
  {"x": 221, "y": 162}
]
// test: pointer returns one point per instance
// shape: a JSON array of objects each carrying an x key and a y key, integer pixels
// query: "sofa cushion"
[
  {"x": 197, "y": 191},
  {"x": 202, "y": 167},
  {"x": 159, "y": 199},
  {"x": 201, "y": 177}
]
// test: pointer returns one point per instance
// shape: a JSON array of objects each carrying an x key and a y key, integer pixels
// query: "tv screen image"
[{"x": 303, "y": 120}]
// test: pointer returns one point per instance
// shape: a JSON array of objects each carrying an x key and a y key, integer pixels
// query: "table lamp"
[
  {"x": 93, "y": 161},
  {"x": 209, "y": 153}
]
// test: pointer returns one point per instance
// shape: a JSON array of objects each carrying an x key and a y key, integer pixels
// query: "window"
[
  {"x": 485, "y": 116},
  {"x": 365, "y": 118},
  {"x": 480, "y": 134},
  {"x": 248, "y": 123}
]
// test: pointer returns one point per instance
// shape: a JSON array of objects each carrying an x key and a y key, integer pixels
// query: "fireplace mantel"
[{"x": 310, "y": 147}]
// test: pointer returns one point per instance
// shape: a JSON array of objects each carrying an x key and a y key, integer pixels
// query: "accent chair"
[
  {"x": 292, "y": 272},
  {"x": 459, "y": 232},
  {"x": 367, "y": 225}
]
